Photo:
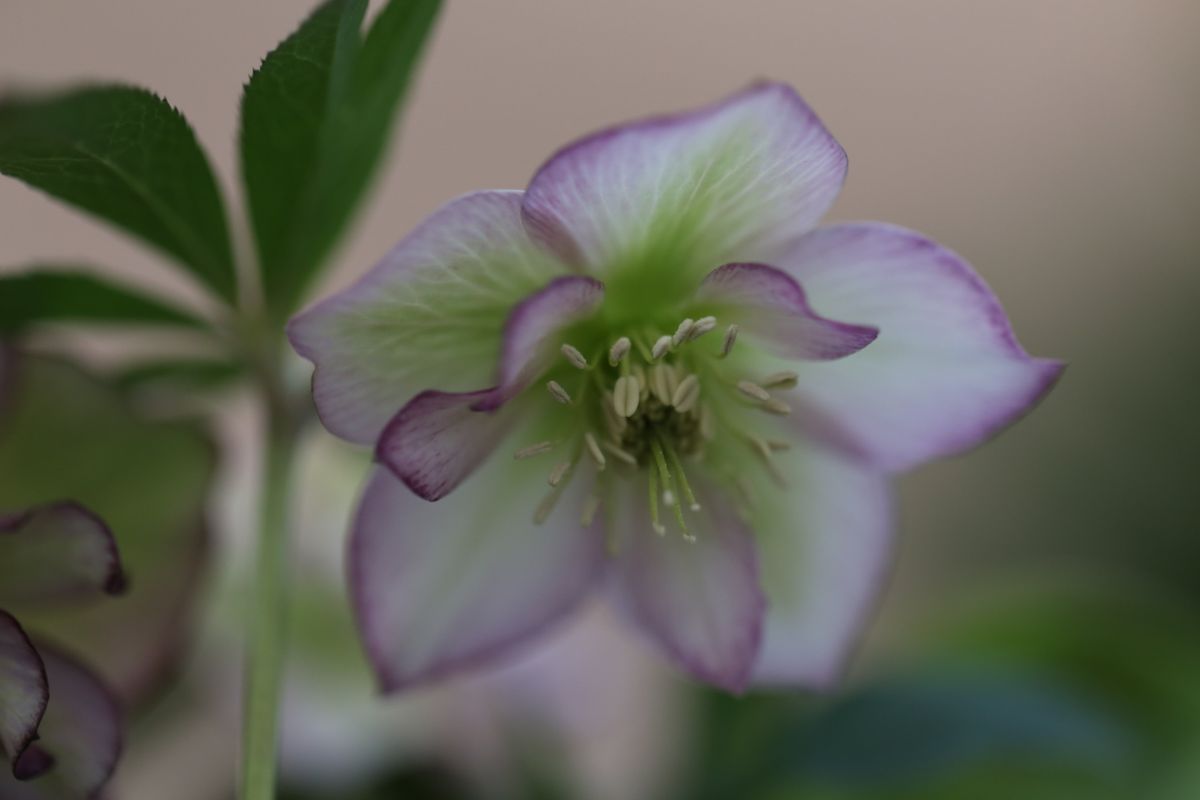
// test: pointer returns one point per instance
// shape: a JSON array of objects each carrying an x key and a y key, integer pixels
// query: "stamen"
[
  {"x": 558, "y": 392},
  {"x": 593, "y": 448},
  {"x": 708, "y": 423},
  {"x": 574, "y": 356},
  {"x": 660, "y": 460},
  {"x": 777, "y": 407},
  {"x": 781, "y": 380},
  {"x": 535, "y": 449},
  {"x": 620, "y": 453},
  {"x": 661, "y": 346},
  {"x": 682, "y": 332},
  {"x": 626, "y": 394},
  {"x": 730, "y": 337},
  {"x": 681, "y": 479},
  {"x": 751, "y": 389},
  {"x": 616, "y": 423},
  {"x": 668, "y": 498},
  {"x": 654, "y": 523},
  {"x": 619, "y": 350},
  {"x": 686, "y": 394},
  {"x": 558, "y": 473},
  {"x": 702, "y": 326}
]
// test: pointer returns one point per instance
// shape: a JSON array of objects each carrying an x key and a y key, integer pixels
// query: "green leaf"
[
  {"x": 315, "y": 117},
  {"x": 128, "y": 157},
  {"x": 54, "y": 294},
  {"x": 66, "y": 434}
]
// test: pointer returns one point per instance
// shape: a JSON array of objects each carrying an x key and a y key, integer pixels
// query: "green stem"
[{"x": 267, "y": 640}]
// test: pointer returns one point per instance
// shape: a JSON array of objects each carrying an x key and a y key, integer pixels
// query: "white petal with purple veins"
[
  {"x": 55, "y": 551},
  {"x": 825, "y": 546},
  {"x": 430, "y": 314},
  {"x": 23, "y": 689},
  {"x": 440, "y": 587},
  {"x": 946, "y": 371},
  {"x": 769, "y": 304},
  {"x": 678, "y": 195}
]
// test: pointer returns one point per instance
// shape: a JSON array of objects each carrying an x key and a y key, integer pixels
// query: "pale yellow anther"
[
  {"x": 626, "y": 395},
  {"x": 682, "y": 332},
  {"x": 558, "y": 392},
  {"x": 660, "y": 383},
  {"x": 661, "y": 347},
  {"x": 686, "y": 394},
  {"x": 751, "y": 389},
  {"x": 619, "y": 350},
  {"x": 535, "y": 449},
  {"x": 730, "y": 337},
  {"x": 574, "y": 356},
  {"x": 777, "y": 406},
  {"x": 620, "y": 453},
  {"x": 558, "y": 473},
  {"x": 593, "y": 449},
  {"x": 781, "y": 380},
  {"x": 701, "y": 327}
]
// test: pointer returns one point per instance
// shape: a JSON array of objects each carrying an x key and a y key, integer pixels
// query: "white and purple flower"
[{"x": 699, "y": 397}]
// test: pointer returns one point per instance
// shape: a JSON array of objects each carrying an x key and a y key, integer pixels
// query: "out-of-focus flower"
[
  {"x": 669, "y": 406},
  {"x": 59, "y": 725}
]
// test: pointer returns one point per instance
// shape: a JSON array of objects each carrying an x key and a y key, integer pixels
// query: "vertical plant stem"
[{"x": 267, "y": 638}]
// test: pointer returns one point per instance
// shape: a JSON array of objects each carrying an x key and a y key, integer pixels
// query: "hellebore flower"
[
  {"x": 699, "y": 393},
  {"x": 59, "y": 725}
]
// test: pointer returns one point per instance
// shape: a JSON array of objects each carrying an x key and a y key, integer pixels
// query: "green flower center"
[{"x": 643, "y": 405}]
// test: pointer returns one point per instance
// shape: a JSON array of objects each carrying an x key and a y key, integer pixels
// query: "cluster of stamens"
[{"x": 649, "y": 414}]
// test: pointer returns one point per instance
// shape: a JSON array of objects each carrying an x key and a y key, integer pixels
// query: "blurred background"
[{"x": 1040, "y": 636}]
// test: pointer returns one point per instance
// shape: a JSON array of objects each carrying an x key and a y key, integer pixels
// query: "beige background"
[{"x": 1055, "y": 143}]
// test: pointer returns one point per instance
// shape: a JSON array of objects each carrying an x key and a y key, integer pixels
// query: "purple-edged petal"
[
  {"x": 735, "y": 181},
  {"x": 700, "y": 601},
  {"x": 439, "y": 588},
  {"x": 946, "y": 371},
  {"x": 430, "y": 314},
  {"x": 24, "y": 691},
  {"x": 60, "y": 550},
  {"x": 438, "y": 438},
  {"x": 769, "y": 304},
  {"x": 825, "y": 547},
  {"x": 80, "y": 736}
]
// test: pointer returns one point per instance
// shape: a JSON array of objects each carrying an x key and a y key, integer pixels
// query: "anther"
[
  {"x": 701, "y": 327},
  {"x": 682, "y": 332},
  {"x": 574, "y": 356},
  {"x": 593, "y": 448},
  {"x": 686, "y": 394},
  {"x": 778, "y": 407},
  {"x": 626, "y": 393},
  {"x": 668, "y": 498},
  {"x": 751, "y": 389},
  {"x": 590, "y": 506},
  {"x": 781, "y": 380},
  {"x": 730, "y": 337},
  {"x": 708, "y": 423},
  {"x": 619, "y": 350},
  {"x": 558, "y": 392},
  {"x": 660, "y": 348},
  {"x": 535, "y": 449},
  {"x": 558, "y": 473},
  {"x": 660, "y": 383}
]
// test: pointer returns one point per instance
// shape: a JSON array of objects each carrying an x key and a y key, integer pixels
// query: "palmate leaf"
[
  {"x": 126, "y": 156},
  {"x": 67, "y": 294},
  {"x": 315, "y": 117}
]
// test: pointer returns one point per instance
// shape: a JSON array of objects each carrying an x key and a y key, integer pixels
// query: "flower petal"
[
  {"x": 430, "y": 314},
  {"x": 700, "y": 601},
  {"x": 56, "y": 550},
  {"x": 735, "y": 181},
  {"x": 438, "y": 588},
  {"x": 825, "y": 544},
  {"x": 438, "y": 438},
  {"x": 768, "y": 303},
  {"x": 946, "y": 371},
  {"x": 80, "y": 735},
  {"x": 23, "y": 690}
]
